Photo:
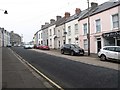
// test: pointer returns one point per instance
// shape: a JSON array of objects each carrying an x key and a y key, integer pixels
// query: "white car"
[
  {"x": 109, "y": 52},
  {"x": 28, "y": 46}
]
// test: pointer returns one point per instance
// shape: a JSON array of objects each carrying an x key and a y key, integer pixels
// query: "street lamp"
[
  {"x": 88, "y": 35},
  {"x": 5, "y": 11}
]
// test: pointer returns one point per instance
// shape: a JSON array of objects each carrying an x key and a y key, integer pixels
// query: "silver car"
[{"x": 109, "y": 52}]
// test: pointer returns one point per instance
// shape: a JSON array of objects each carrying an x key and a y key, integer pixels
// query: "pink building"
[{"x": 104, "y": 27}]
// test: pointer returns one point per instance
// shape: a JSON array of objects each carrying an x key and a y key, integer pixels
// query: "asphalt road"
[{"x": 71, "y": 74}]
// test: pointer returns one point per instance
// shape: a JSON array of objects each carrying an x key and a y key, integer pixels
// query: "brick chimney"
[
  {"x": 67, "y": 14},
  {"x": 93, "y": 5},
  {"x": 77, "y": 11},
  {"x": 58, "y": 17},
  {"x": 52, "y": 21}
]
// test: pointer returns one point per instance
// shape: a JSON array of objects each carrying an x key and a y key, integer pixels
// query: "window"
[
  {"x": 63, "y": 41},
  {"x": 41, "y": 35},
  {"x": 54, "y": 31},
  {"x": 76, "y": 28},
  {"x": 98, "y": 26},
  {"x": 115, "y": 20},
  {"x": 117, "y": 49},
  {"x": 50, "y": 32},
  {"x": 85, "y": 44},
  {"x": 58, "y": 33},
  {"x": 85, "y": 28},
  {"x": 50, "y": 42},
  {"x": 69, "y": 30},
  {"x": 69, "y": 41}
]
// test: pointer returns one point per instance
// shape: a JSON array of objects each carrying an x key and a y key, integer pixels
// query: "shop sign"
[{"x": 111, "y": 34}]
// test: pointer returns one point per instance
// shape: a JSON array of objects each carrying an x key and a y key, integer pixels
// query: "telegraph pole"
[{"x": 88, "y": 35}]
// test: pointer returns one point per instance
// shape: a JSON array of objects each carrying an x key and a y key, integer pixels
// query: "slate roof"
[
  {"x": 60, "y": 21},
  {"x": 101, "y": 8}
]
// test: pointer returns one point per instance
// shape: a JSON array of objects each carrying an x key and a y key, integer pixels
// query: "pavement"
[
  {"x": 94, "y": 55},
  {"x": 92, "y": 59},
  {"x": 16, "y": 74}
]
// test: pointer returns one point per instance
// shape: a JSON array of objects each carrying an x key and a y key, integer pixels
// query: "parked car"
[
  {"x": 109, "y": 52},
  {"x": 43, "y": 47},
  {"x": 72, "y": 49},
  {"x": 9, "y": 45},
  {"x": 28, "y": 46}
]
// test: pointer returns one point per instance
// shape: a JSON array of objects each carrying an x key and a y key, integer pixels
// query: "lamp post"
[
  {"x": 88, "y": 35},
  {"x": 5, "y": 11}
]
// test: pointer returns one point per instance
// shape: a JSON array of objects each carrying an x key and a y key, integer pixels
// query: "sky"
[{"x": 25, "y": 17}]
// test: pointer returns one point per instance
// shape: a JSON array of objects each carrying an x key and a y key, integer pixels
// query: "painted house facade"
[
  {"x": 51, "y": 34},
  {"x": 4, "y": 37},
  {"x": 104, "y": 27}
]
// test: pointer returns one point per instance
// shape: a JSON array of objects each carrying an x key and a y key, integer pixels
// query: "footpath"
[
  {"x": 92, "y": 59},
  {"x": 17, "y": 75}
]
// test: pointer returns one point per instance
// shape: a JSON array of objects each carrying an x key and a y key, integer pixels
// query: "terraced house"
[
  {"x": 4, "y": 37},
  {"x": 104, "y": 28}
]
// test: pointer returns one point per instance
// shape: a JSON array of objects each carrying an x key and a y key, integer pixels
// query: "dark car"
[{"x": 72, "y": 49}]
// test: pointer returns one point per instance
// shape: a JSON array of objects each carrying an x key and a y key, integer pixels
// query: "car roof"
[{"x": 110, "y": 46}]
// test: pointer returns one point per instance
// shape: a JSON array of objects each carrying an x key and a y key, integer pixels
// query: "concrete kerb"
[{"x": 94, "y": 55}]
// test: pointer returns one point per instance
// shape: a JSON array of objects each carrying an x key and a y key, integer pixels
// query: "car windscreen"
[{"x": 75, "y": 46}]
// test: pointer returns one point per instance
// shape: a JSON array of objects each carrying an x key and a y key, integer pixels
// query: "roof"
[
  {"x": 60, "y": 22},
  {"x": 103, "y": 7}
]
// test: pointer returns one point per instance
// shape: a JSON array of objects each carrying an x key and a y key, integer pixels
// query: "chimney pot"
[
  {"x": 67, "y": 14},
  {"x": 93, "y": 4},
  {"x": 52, "y": 21},
  {"x": 77, "y": 11},
  {"x": 58, "y": 17}
]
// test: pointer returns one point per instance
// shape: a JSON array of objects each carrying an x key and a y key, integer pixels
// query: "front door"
[
  {"x": 118, "y": 42},
  {"x": 98, "y": 44}
]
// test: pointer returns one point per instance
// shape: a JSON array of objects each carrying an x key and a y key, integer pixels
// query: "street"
[{"x": 70, "y": 73}]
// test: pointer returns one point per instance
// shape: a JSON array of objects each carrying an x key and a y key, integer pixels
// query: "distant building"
[
  {"x": 15, "y": 39},
  {"x": 4, "y": 37}
]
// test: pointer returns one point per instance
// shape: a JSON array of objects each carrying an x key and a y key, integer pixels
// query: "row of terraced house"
[
  {"x": 7, "y": 38},
  {"x": 73, "y": 29}
]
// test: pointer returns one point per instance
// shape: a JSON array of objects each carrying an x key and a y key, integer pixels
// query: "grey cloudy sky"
[{"x": 26, "y": 16}]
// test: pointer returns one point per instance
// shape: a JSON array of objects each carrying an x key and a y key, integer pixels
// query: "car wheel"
[
  {"x": 62, "y": 52},
  {"x": 72, "y": 53},
  {"x": 103, "y": 57}
]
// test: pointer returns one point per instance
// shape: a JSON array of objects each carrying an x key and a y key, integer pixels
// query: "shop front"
[{"x": 111, "y": 38}]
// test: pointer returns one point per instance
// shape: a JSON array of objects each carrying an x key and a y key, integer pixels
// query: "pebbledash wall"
[{"x": 104, "y": 36}]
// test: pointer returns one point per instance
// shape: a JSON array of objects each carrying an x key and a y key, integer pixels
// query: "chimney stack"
[
  {"x": 67, "y": 14},
  {"x": 58, "y": 17},
  {"x": 42, "y": 26},
  {"x": 46, "y": 23},
  {"x": 93, "y": 5},
  {"x": 52, "y": 21},
  {"x": 77, "y": 11}
]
